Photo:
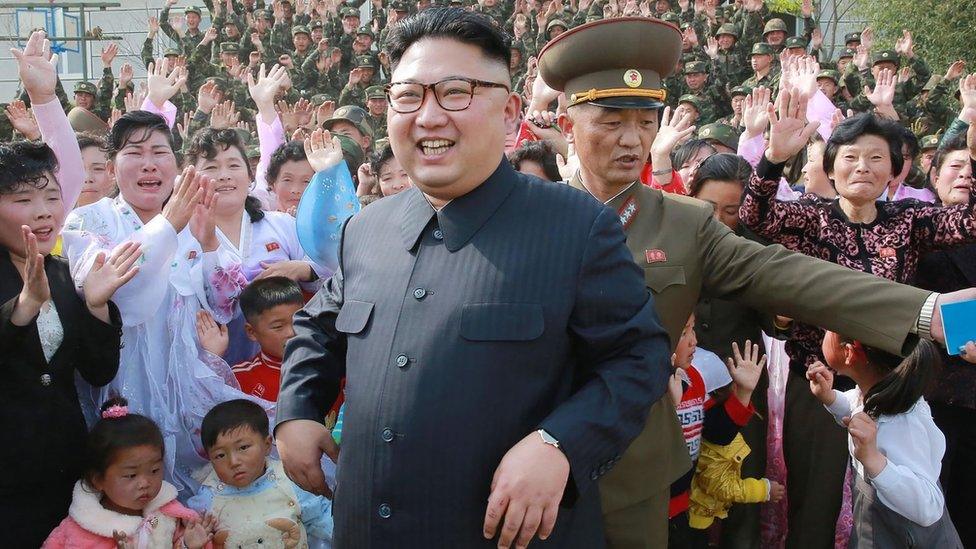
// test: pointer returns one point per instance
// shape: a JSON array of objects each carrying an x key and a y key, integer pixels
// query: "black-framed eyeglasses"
[{"x": 452, "y": 94}]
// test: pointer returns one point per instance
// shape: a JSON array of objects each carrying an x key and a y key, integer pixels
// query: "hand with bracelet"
[{"x": 673, "y": 131}]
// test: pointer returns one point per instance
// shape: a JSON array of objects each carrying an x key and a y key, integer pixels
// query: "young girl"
[
  {"x": 895, "y": 446},
  {"x": 122, "y": 500},
  {"x": 50, "y": 335}
]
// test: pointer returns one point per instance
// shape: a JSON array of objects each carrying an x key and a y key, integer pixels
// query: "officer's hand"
[
  {"x": 937, "y": 330},
  {"x": 525, "y": 491},
  {"x": 301, "y": 443}
]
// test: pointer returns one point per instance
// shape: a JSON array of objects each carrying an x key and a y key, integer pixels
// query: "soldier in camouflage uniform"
[
  {"x": 890, "y": 60},
  {"x": 929, "y": 112},
  {"x": 376, "y": 110},
  {"x": 712, "y": 100},
  {"x": 764, "y": 71},
  {"x": 284, "y": 20},
  {"x": 689, "y": 103},
  {"x": 517, "y": 66},
  {"x": 227, "y": 70},
  {"x": 347, "y": 35},
  {"x": 730, "y": 62},
  {"x": 795, "y": 46},
  {"x": 302, "y": 41},
  {"x": 321, "y": 73},
  {"x": 262, "y": 22},
  {"x": 360, "y": 78},
  {"x": 737, "y": 102},
  {"x": 723, "y": 137},
  {"x": 191, "y": 37},
  {"x": 495, "y": 9},
  {"x": 828, "y": 80},
  {"x": 86, "y": 97},
  {"x": 351, "y": 121}
]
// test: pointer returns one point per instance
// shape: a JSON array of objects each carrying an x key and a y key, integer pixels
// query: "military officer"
[{"x": 613, "y": 86}]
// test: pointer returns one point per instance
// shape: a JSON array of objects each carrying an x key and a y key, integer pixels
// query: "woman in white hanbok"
[{"x": 161, "y": 373}]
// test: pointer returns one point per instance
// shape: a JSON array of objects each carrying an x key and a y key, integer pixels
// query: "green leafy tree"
[{"x": 944, "y": 30}]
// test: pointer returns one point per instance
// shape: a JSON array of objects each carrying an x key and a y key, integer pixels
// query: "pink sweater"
[{"x": 57, "y": 133}]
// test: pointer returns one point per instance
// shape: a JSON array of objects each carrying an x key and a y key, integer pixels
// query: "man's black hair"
[
  {"x": 267, "y": 293},
  {"x": 227, "y": 416},
  {"x": 465, "y": 26}
]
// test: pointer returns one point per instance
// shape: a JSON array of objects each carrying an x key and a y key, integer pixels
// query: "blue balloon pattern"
[{"x": 327, "y": 202}]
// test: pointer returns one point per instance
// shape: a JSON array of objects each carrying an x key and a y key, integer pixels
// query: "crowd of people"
[{"x": 169, "y": 338}]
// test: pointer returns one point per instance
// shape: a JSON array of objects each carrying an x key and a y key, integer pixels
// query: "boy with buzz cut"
[
  {"x": 268, "y": 305},
  {"x": 248, "y": 490}
]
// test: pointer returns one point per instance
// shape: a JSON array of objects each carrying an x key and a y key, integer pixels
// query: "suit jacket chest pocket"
[
  {"x": 353, "y": 317},
  {"x": 501, "y": 321}
]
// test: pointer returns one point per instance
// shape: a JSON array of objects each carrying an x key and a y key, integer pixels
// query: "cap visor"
[{"x": 628, "y": 103}]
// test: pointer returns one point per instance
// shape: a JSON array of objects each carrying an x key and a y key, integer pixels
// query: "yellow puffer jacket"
[{"x": 717, "y": 483}]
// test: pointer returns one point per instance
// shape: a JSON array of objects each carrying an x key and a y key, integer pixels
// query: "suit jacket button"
[
  {"x": 420, "y": 293},
  {"x": 387, "y": 435},
  {"x": 438, "y": 234},
  {"x": 402, "y": 361},
  {"x": 385, "y": 510},
  {"x": 594, "y": 475}
]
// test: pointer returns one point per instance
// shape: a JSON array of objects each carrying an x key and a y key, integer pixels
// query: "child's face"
[
  {"x": 272, "y": 328},
  {"x": 685, "y": 350},
  {"x": 238, "y": 456},
  {"x": 39, "y": 209},
  {"x": 133, "y": 479}
]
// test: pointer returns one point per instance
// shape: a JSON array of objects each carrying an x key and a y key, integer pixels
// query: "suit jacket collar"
[{"x": 463, "y": 216}]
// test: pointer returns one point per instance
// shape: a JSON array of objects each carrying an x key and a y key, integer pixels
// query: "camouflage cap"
[
  {"x": 728, "y": 28},
  {"x": 351, "y": 151},
  {"x": 932, "y": 83},
  {"x": 672, "y": 18},
  {"x": 795, "y": 42},
  {"x": 192, "y": 9},
  {"x": 592, "y": 18},
  {"x": 375, "y": 92},
  {"x": 262, "y": 13},
  {"x": 886, "y": 56},
  {"x": 366, "y": 61},
  {"x": 774, "y": 24},
  {"x": 829, "y": 73},
  {"x": 692, "y": 100},
  {"x": 300, "y": 29},
  {"x": 696, "y": 67},
  {"x": 723, "y": 133},
  {"x": 317, "y": 24},
  {"x": 320, "y": 98},
  {"x": 364, "y": 30},
  {"x": 350, "y": 113},
  {"x": 349, "y": 12},
  {"x": 852, "y": 37},
  {"x": 401, "y": 6},
  {"x": 847, "y": 52},
  {"x": 517, "y": 45},
  {"x": 86, "y": 87},
  {"x": 172, "y": 52},
  {"x": 929, "y": 142},
  {"x": 761, "y": 48},
  {"x": 230, "y": 47},
  {"x": 740, "y": 90},
  {"x": 616, "y": 63}
]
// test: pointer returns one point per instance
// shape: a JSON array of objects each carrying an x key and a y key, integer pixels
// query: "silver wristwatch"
[{"x": 547, "y": 438}]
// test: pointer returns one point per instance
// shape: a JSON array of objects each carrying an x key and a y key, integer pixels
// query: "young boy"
[
  {"x": 704, "y": 417},
  {"x": 268, "y": 305},
  {"x": 248, "y": 490}
]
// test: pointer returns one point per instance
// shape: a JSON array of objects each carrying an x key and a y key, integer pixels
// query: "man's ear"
[
  {"x": 513, "y": 113},
  {"x": 565, "y": 124}
]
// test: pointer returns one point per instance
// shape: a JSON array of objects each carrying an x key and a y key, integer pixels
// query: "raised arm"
[{"x": 38, "y": 72}]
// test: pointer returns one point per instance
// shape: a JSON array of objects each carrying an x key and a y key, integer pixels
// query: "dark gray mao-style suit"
[{"x": 515, "y": 307}]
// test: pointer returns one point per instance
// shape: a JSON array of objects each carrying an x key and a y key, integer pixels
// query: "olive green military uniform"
[
  {"x": 713, "y": 103},
  {"x": 731, "y": 66},
  {"x": 729, "y": 120},
  {"x": 356, "y": 94},
  {"x": 904, "y": 91},
  {"x": 102, "y": 106},
  {"x": 686, "y": 253},
  {"x": 838, "y": 99}
]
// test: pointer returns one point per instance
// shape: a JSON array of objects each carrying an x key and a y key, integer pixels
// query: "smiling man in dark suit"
[{"x": 499, "y": 345}]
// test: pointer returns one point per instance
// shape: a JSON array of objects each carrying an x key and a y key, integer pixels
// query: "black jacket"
[
  {"x": 515, "y": 307},
  {"x": 44, "y": 430}
]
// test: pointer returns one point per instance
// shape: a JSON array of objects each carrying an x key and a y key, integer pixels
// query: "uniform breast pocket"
[
  {"x": 661, "y": 277},
  {"x": 354, "y": 316},
  {"x": 501, "y": 321}
]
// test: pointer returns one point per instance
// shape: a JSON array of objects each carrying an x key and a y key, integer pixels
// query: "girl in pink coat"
[{"x": 123, "y": 500}]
